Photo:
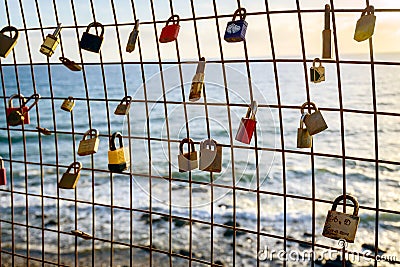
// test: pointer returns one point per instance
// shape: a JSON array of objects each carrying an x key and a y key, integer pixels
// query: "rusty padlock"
[
  {"x": 365, "y": 25},
  {"x": 69, "y": 180},
  {"x": 124, "y": 106},
  {"x": 130, "y": 46},
  {"x": 3, "y": 175},
  {"x": 339, "y": 225},
  {"x": 326, "y": 34},
  {"x": 210, "y": 156},
  {"x": 317, "y": 73},
  {"x": 118, "y": 158},
  {"x": 89, "y": 146},
  {"x": 20, "y": 115},
  {"x": 170, "y": 32},
  {"x": 70, "y": 64},
  {"x": 187, "y": 161},
  {"x": 196, "y": 90},
  {"x": 68, "y": 104},
  {"x": 247, "y": 125},
  {"x": 8, "y": 43},
  {"x": 314, "y": 122},
  {"x": 304, "y": 139}
]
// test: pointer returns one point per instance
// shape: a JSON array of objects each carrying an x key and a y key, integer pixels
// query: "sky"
[{"x": 285, "y": 28}]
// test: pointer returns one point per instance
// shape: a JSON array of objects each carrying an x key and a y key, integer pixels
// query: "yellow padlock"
[
  {"x": 51, "y": 42},
  {"x": 365, "y": 25},
  {"x": 89, "y": 146},
  {"x": 197, "y": 88},
  {"x": 118, "y": 158},
  {"x": 68, "y": 104}
]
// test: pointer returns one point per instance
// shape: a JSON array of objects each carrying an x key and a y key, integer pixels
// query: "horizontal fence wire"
[{"x": 28, "y": 237}]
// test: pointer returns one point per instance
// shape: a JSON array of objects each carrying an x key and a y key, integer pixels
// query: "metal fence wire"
[{"x": 270, "y": 196}]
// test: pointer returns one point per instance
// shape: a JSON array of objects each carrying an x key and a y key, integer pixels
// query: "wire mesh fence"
[{"x": 269, "y": 197}]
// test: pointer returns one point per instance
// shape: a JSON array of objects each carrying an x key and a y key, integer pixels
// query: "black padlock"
[{"x": 91, "y": 42}]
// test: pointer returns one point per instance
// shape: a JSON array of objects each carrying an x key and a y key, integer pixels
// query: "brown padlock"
[
  {"x": 317, "y": 73},
  {"x": 70, "y": 64},
  {"x": 304, "y": 139},
  {"x": 124, "y": 106},
  {"x": 339, "y": 225},
  {"x": 89, "y": 146},
  {"x": 187, "y": 161},
  {"x": 314, "y": 122},
  {"x": 210, "y": 156},
  {"x": 326, "y": 34},
  {"x": 69, "y": 180}
]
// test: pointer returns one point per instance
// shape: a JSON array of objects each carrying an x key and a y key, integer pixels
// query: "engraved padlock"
[
  {"x": 70, "y": 64},
  {"x": 339, "y": 225},
  {"x": 210, "y": 156},
  {"x": 70, "y": 179},
  {"x": 247, "y": 125},
  {"x": 124, "y": 106},
  {"x": 187, "y": 161},
  {"x": 365, "y": 25},
  {"x": 3, "y": 173},
  {"x": 317, "y": 73},
  {"x": 92, "y": 42},
  {"x": 68, "y": 104},
  {"x": 314, "y": 122},
  {"x": 326, "y": 34},
  {"x": 91, "y": 145},
  {"x": 196, "y": 90},
  {"x": 130, "y": 46},
  {"x": 304, "y": 139},
  {"x": 51, "y": 42},
  {"x": 118, "y": 158},
  {"x": 236, "y": 29},
  {"x": 170, "y": 31},
  {"x": 20, "y": 115},
  {"x": 7, "y": 43}
]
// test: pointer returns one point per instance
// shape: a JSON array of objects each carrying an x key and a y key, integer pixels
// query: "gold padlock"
[
  {"x": 317, "y": 74},
  {"x": 326, "y": 34},
  {"x": 7, "y": 43},
  {"x": 196, "y": 90},
  {"x": 15, "y": 118},
  {"x": 89, "y": 146},
  {"x": 124, "y": 106},
  {"x": 130, "y": 46},
  {"x": 69, "y": 180},
  {"x": 339, "y": 225},
  {"x": 187, "y": 161},
  {"x": 68, "y": 104},
  {"x": 314, "y": 122},
  {"x": 118, "y": 158},
  {"x": 365, "y": 25},
  {"x": 304, "y": 139},
  {"x": 210, "y": 156},
  {"x": 51, "y": 42},
  {"x": 70, "y": 64}
]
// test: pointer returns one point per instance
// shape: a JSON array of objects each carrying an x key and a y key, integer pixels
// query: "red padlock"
[
  {"x": 23, "y": 109},
  {"x": 3, "y": 177},
  {"x": 170, "y": 32},
  {"x": 247, "y": 125}
]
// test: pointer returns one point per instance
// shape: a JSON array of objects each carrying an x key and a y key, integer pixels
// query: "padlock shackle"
[
  {"x": 112, "y": 141},
  {"x": 173, "y": 19},
  {"x": 315, "y": 61},
  {"x": 96, "y": 24},
  {"x": 1, "y": 163},
  {"x": 188, "y": 141},
  {"x": 11, "y": 29},
  {"x": 34, "y": 96},
  {"x": 77, "y": 166},
  {"x": 20, "y": 96},
  {"x": 208, "y": 142},
  {"x": 348, "y": 197},
  {"x": 71, "y": 98},
  {"x": 302, "y": 120},
  {"x": 308, "y": 104},
  {"x": 252, "y": 110},
  {"x": 92, "y": 132},
  {"x": 327, "y": 17},
  {"x": 368, "y": 10},
  {"x": 127, "y": 99},
  {"x": 241, "y": 12},
  {"x": 201, "y": 65}
]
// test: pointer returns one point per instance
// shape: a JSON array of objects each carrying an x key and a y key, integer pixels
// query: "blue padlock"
[
  {"x": 236, "y": 29},
  {"x": 91, "y": 42}
]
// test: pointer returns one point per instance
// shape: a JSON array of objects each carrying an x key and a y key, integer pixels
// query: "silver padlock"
[{"x": 314, "y": 122}]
